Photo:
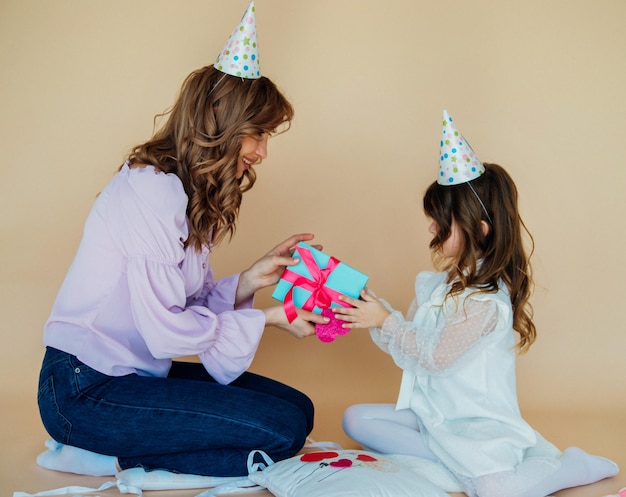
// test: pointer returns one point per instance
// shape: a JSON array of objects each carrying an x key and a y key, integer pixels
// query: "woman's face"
[
  {"x": 453, "y": 245},
  {"x": 253, "y": 151}
]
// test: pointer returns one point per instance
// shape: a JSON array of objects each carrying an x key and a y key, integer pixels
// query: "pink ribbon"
[{"x": 321, "y": 296}]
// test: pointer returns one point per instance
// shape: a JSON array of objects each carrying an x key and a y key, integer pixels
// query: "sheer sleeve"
[{"x": 438, "y": 349}]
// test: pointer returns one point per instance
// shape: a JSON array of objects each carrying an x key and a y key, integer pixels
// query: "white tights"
[{"x": 381, "y": 428}]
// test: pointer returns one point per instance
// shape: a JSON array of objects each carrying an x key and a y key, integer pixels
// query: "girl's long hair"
[
  {"x": 201, "y": 140},
  {"x": 501, "y": 251}
]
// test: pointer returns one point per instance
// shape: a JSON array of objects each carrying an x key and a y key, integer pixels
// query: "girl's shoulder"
[
  {"x": 431, "y": 285},
  {"x": 434, "y": 286},
  {"x": 431, "y": 278}
]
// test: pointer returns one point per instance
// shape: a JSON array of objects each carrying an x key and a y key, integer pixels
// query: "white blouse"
[{"x": 458, "y": 356}]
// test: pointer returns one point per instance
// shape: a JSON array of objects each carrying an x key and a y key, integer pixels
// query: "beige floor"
[{"x": 22, "y": 436}]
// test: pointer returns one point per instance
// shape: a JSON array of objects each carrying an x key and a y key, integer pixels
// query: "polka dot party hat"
[
  {"x": 240, "y": 55},
  {"x": 457, "y": 161}
]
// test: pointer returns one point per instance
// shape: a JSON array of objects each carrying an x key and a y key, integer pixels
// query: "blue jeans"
[{"x": 186, "y": 422}]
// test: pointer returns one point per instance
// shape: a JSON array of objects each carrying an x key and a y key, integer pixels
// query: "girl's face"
[
  {"x": 453, "y": 245},
  {"x": 253, "y": 151}
]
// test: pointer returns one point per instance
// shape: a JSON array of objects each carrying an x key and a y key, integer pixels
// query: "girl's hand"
[
  {"x": 366, "y": 313},
  {"x": 302, "y": 326},
  {"x": 269, "y": 268}
]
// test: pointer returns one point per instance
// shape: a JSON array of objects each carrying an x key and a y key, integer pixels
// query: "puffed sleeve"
[
  {"x": 220, "y": 295},
  {"x": 147, "y": 219}
]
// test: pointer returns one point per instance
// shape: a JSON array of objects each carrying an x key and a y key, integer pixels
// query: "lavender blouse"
[{"x": 135, "y": 297}]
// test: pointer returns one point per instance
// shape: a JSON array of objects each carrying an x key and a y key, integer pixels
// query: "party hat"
[
  {"x": 457, "y": 162},
  {"x": 240, "y": 55}
]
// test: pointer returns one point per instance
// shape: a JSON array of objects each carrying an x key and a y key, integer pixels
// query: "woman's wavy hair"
[
  {"x": 201, "y": 140},
  {"x": 501, "y": 250}
]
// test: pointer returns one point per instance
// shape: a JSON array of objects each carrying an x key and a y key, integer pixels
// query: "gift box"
[{"x": 316, "y": 282}]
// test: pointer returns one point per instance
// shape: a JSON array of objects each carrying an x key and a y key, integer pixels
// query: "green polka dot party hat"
[
  {"x": 240, "y": 55},
  {"x": 458, "y": 163}
]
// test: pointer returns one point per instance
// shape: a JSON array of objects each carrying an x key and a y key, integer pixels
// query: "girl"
[
  {"x": 457, "y": 402},
  {"x": 141, "y": 292}
]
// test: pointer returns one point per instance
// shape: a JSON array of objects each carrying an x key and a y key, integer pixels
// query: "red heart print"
[
  {"x": 317, "y": 456},
  {"x": 341, "y": 463},
  {"x": 365, "y": 457}
]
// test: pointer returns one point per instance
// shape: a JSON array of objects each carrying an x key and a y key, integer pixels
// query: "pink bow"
[{"x": 321, "y": 296}]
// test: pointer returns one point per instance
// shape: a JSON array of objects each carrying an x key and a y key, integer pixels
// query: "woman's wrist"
[
  {"x": 245, "y": 288},
  {"x": 271, "y": 316}
]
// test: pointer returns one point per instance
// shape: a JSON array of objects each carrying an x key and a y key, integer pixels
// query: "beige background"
[{"x": 536, "y": 86}]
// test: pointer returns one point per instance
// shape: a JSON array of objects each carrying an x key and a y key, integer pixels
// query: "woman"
[{"x": 141, "y": 292}]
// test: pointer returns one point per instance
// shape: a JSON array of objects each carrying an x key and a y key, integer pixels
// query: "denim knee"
[{"x": 50, "y": 379}]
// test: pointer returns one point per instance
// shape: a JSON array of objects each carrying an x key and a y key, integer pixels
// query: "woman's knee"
[{"x": 306, "y": 409}]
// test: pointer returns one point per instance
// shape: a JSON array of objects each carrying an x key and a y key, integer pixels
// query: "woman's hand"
[
  {"x": 302, "y": 326},
  {"x": 269, "y": 268},
  {"x": 366, "y": 313}
]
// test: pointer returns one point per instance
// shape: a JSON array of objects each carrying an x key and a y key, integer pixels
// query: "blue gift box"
[{"x": 317, "y": 280}]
